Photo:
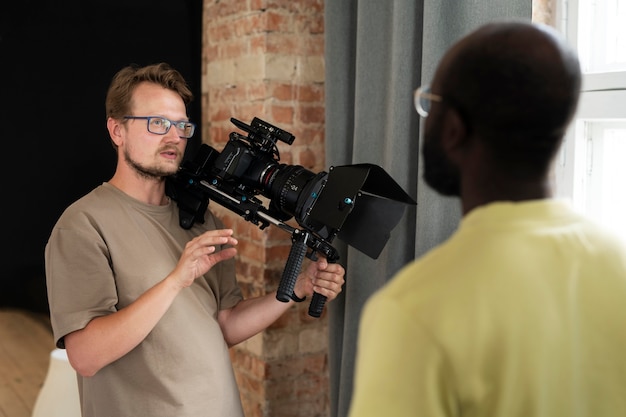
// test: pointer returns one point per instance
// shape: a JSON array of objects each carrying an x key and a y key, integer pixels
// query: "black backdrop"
[{"x": 56, "y": 61}]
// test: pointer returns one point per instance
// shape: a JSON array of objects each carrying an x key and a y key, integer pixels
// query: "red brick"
[
  {"x": 278, "y": 252},
  {"x": 312, "y": 114},
  {"x": 250, "y": 251},
  {"x": 233, "y": 49},
  {"x": 284, "y": 44},
  {"x": 311, "y": 93},
  {"x": 307, "y": 159},
  {"x": 284, "y": 92},
  {"x": 257, "y": 4},
  {"x": 257, "y": 91},
  {"x": 277, "y": 22},
  {"x": 282, "y": 114},
  {"x": 313, "y": 24},
  {"x": 257, "y": 44}
]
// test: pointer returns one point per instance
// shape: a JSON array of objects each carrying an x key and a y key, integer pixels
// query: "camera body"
[
  {"x": 247, "y": 167},
  {"x": 250, "y": 165}
]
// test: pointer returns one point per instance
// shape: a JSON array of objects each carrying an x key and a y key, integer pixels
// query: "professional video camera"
[{"x": 357, "y": 203}]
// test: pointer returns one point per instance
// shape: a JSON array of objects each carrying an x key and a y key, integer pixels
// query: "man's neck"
[
  {"x": 146, "y": 190},
  {"x": 485, "y": 192}
]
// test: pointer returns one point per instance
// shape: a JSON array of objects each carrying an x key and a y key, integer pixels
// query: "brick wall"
[
  {"x": 543, "y": 11},
  {"x": 265, "y": 58}
]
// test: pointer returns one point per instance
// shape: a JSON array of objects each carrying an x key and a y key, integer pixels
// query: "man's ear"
[
  {"x": 454, "y": 137},
  {"x": 115, "y": 131}
]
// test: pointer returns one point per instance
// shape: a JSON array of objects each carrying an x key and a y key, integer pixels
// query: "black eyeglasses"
[{"x": 160, "y": 125}]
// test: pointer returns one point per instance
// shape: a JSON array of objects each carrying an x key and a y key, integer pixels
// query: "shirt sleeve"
[
  {"x": 400, "y": 369},
  {"x": 79, "y": 280}
]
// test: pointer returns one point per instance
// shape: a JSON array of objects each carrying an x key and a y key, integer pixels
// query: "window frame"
[{"x": 602, "y": 100}]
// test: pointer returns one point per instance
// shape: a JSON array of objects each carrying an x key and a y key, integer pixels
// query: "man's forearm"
[
  {"x": 108, "y": 338},
  {"x": 250, "y": 317}
]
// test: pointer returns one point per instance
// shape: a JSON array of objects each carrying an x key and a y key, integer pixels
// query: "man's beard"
[
  {"x": 439, "y": 173},
  {"x": 156, "y": 173}
]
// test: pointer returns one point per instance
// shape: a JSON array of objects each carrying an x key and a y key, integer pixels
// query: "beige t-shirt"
[{"x": 105, "y": 251}]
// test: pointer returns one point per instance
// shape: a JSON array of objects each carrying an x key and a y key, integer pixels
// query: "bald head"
[{"x": 516, "y": 85}]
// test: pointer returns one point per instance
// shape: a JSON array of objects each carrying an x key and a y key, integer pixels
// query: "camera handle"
[
  {"x": 301, "y": 239},
  {"x": 317, "y": 305},
  {"x": 332, "y": 256},
  {"x": 292, "y": 268}
]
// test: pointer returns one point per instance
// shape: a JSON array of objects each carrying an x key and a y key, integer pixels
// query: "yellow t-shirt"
[{"x": 522, "y": 312}]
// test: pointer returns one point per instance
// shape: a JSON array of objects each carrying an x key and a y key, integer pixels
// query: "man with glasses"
[
  {"x": 146, "y": 309},
  {"x": 522, "y": 311}
]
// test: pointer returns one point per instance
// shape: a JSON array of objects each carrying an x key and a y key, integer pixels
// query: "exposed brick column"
[
  {"x": 265, "y": 58},
  {"x": 543, "y": 11}
]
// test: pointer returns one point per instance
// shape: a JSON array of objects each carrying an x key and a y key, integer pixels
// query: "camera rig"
[{"x": 324, "y": 204}]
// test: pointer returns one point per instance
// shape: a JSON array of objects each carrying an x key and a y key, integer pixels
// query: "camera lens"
[{"x": 291, "y": 189}]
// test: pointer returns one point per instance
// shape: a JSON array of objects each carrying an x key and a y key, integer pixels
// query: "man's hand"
[
  {"x": 200, "y": 255},
  {"x": 324, "y": 278}
]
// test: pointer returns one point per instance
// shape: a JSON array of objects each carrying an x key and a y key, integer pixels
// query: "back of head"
[
  {"x": 119, "y": 95},
  {"x": 516, "y": 84}
]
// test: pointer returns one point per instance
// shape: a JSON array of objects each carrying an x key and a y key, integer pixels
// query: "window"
[{"x": 591, "y": 169}]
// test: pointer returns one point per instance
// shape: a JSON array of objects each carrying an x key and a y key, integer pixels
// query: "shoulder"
[
  {"x": 84, "y": 204},
  {"x": 423, "y": 280},
  {"x": 102, "y": 204}
]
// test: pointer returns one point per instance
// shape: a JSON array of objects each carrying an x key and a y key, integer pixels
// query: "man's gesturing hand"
[{"x": 201, "y": 254}]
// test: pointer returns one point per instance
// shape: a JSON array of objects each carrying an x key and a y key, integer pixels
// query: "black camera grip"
[
  {"x": 317, "y": 305},
  {"x": 292, "y": 268}
]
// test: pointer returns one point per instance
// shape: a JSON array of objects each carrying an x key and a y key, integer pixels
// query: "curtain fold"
[
  {"x": 377, "y": 53},
  {"x": 371, "y": 52}
]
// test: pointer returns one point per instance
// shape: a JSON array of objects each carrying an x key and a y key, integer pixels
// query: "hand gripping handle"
[
  {"x": 317, "y": 305},
  {"x": 292, "y": 268},
  {"x": 317, "y": 302}
]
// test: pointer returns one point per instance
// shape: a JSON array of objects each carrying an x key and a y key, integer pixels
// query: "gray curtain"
[{"x": 377, "y": 53}]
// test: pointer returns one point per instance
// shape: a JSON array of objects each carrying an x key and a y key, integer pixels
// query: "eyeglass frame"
[
  {"x": 168, "y": 127},
  {"x": 423, "y": 93}
]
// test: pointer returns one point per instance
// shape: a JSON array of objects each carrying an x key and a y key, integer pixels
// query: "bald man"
[{"x": 522, "y": 312}]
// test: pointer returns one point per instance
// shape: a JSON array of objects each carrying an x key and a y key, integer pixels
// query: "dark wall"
[{"x": 57, "y": 59}]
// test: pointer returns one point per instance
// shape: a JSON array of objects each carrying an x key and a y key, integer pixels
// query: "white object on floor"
[{"x": 59, "y": 394}]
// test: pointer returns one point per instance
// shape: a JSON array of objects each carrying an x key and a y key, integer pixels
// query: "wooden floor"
[{"x": 25, "y": 345}]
